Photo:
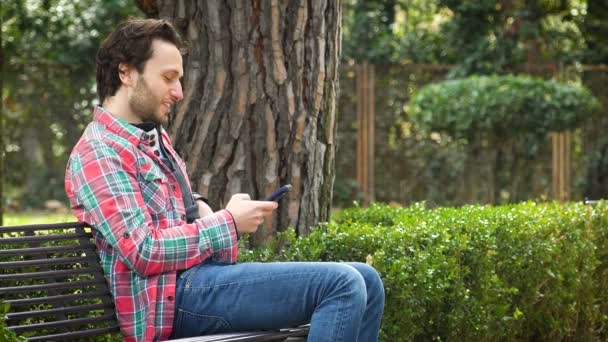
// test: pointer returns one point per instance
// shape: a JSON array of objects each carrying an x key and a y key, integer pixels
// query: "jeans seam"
[
  {"x": 220, "y": 318},
  {"x": 341, "y": 321},
  {"x": 226, "y": 325}
]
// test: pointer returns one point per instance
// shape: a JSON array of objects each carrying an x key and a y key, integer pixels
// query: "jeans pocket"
[{"x": 193, "y": 324}]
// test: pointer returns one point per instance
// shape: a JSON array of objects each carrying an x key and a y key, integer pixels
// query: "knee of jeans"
[
  {"x": 353, "y": 281},
  {"x": 372, "y": 278}
]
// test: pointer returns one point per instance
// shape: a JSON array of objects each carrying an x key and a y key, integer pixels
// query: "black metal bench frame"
[{"x": 51, "y": 277}]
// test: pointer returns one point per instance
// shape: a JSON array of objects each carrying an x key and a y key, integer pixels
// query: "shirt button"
[
  {"x": 144, "y": 136},
  {"x": 126, "y": 235},
  {"x": 170, "y": 298},
  {"x": 152, "y": 142},
  {"x": 183, "y": 217},
  {"x": 157, "y": 153},
  {"x": 173, "y": 187}
]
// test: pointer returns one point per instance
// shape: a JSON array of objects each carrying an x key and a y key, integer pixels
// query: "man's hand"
[
  {"x": 203, "y": 209},
  {"x": 248, "y": 214}
]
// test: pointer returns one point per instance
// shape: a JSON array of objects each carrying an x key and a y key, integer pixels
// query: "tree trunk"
[{"x": 259, "y": 108}]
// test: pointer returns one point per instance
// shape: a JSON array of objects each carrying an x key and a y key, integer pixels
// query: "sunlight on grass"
[{"x": 36, "y": 217}]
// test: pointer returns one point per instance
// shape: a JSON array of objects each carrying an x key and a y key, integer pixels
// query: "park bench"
[
  {"x": 51, "y": 277},
  {"x": 590, "y": 202}
]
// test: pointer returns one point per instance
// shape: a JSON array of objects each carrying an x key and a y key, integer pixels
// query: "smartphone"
[{"x": 277, "y": 195}]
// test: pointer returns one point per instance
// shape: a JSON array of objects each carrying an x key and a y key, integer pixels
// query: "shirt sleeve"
[{"x": 103, "y": 183}]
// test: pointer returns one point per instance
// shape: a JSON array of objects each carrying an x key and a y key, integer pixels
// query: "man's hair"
[{"x": 130, "y": 43}]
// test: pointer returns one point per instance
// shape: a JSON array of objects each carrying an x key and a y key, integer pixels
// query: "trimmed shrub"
[
  {"x": 501, "y": 107},
  {"x": 517, "y": 272}
]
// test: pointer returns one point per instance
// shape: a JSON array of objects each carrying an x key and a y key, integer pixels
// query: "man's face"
[{"x": 158, "y": 87}]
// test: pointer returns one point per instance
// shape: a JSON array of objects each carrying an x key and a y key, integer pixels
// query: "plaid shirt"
[{"x": 122, "y": 189}]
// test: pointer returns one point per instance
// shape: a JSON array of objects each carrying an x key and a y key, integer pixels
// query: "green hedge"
[{"x": 520, "y": 272}]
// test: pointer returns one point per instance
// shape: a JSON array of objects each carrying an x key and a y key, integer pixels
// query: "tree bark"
[{"x": 259, "y": 108}]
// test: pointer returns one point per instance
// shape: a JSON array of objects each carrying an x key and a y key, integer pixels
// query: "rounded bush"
[{"x": 500, "y": 106}]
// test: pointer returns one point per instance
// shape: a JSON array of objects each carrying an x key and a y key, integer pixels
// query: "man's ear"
[{"x": 127, "y": 74}]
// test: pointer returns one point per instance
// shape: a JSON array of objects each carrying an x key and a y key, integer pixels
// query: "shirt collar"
[{"x": 119, "y": 126}]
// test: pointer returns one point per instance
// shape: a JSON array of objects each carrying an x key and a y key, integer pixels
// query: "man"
[{"x": 172, "y": 272}]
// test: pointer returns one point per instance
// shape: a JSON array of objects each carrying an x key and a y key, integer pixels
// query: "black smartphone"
[{"x": 277, "y": 195}]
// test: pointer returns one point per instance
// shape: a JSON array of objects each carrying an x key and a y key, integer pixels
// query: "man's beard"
[{"x": 144, "y": 104}]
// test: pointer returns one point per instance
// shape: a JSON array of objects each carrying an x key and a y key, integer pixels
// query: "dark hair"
[{"x": 130, "y": 43}]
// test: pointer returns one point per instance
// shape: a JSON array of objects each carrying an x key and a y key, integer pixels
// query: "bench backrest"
[{"x": 51, "y": 277}]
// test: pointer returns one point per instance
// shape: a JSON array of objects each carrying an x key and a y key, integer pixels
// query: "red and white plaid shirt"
[{"x": 121, "y": 188}]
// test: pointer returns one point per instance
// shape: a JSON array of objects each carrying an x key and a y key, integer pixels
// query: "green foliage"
[
  {"x": 427, "y": 169},
  {"x": 478, "y": 273},
  {"x": 489, "y": 37},
  {"x": 597, "y": 169},
  {"x": 478, "y": 37},
  {"x": 393, "y": 31},
  {"x": 5, "y": 334},
  {"x": 503, "y": 123},
  {"x": 367, "y": 30},
  {"x": 501, "y": 107},
  {"x": 49, "y": 86},
  {"x": 594, "y": 28}
]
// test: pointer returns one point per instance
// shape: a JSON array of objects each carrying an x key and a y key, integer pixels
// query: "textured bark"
[{"x": 259, "y": 111}]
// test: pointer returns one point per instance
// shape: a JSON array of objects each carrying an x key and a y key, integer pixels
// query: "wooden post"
[
  {"x": 365, "y": 131},
  {"x": 567, "y": 165},
  {"x": 561, "y": 165},
  {"x": 554, "y": 165},
  {"x": 364, "y": 142},
  {"x": 359, "y": 86},
  {"x": 372, "y": 127}
]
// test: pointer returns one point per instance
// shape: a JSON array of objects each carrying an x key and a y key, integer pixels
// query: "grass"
[{"x": 36, "y": 217}]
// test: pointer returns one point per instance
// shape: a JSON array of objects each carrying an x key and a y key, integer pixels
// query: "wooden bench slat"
[
  {"x": 52, "y": 286},
  {"x": 76, "y": 334},
  {"x": 51, "y": 274},
  {"x": 42, "y": 250},
  {"x": 63, "y": 323},
  {"x": 99, "y": 294},
  {"x": 44, "y": 262},
  {"x": 46, "y": 237},
  {"x": 68, "y": 309}
]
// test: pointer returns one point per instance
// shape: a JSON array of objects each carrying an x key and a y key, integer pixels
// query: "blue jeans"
[{"x": 342, "y": 301}]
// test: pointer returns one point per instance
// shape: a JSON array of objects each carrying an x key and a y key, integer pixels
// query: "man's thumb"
[{"x": 244, "y": 197}]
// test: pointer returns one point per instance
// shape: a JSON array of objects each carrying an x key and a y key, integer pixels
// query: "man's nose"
[{"x": 176, "y": 92}]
